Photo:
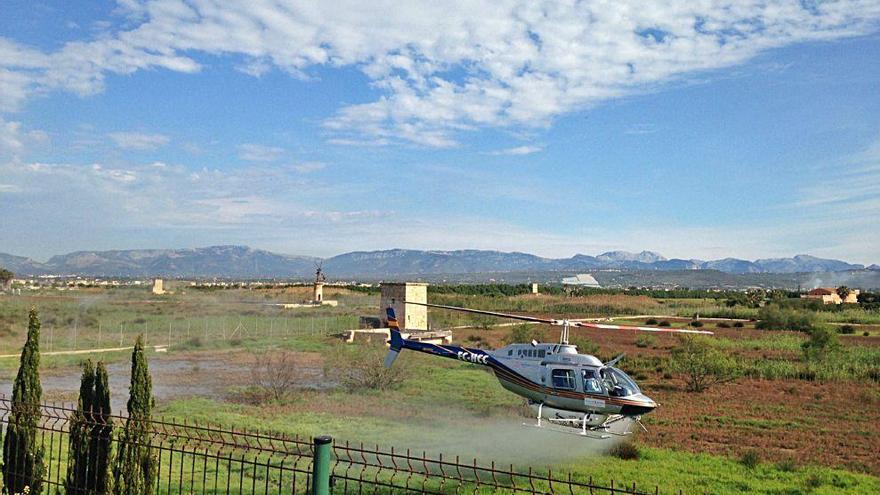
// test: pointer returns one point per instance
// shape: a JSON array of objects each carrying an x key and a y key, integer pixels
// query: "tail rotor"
[{"x": 396, "y": 342}]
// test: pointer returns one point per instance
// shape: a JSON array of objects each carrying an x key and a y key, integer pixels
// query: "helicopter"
[{"x": 572, "y": 392}]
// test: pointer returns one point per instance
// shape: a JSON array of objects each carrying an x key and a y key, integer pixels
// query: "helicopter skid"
[
  {"x": 586, "y": 425},
  {"x": 589, "y": 433}
]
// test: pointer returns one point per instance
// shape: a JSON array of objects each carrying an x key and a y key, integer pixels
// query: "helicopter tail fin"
[{"x": 396, "y": 342}]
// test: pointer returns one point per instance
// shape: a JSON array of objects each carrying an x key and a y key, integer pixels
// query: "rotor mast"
[{"x": 563, "y": 337}]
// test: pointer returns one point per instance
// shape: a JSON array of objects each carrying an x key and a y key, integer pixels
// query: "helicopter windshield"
[{"x": 618, "y": 383}]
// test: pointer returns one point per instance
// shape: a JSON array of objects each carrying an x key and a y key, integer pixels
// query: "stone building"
[{"x": 409, "y": 316}]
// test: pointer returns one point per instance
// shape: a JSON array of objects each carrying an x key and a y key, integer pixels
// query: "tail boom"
[{"x": 398, "y": 343}]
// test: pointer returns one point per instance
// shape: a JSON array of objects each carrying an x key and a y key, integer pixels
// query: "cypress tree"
[
  {"x": 81, "y": 422},
  {"x": 91, "y": 430},
  {"x": 23, "y": 464},
  {"x": 135, "y": 468},
  {"x": 102, "y": 433}
]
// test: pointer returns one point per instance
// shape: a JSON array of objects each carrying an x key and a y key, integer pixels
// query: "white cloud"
[
  {"x": 308, "y": 167},
  {"x": 259, "y": 153},
  {"x": 518, "y": 150},
  {"x": 359, "y": 142},
  {"x": 11, "y": 141},
  {"x": 138, "y": 140},
  {"x": 441, "y": 67},
  {"x": 852, "y": 184},
  {"x": 161, "y": 195},
  {"x": 15, "y": 140},
  {"x": 266, "y": 203},
  {"x": 637, "y": 129}
]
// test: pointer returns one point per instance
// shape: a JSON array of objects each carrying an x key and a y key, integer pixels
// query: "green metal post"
[{"x": 321, "y": 465}]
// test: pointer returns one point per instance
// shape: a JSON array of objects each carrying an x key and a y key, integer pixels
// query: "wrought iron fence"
[{"x": 201, "y": 459}]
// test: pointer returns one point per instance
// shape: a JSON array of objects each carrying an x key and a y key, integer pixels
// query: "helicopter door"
[{"x": 592, "y": 382}]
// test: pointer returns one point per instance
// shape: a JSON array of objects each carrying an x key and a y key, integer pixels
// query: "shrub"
[
  {"x": 645, "y": 341},
  {"x": 359, "y": 367},
  {"x": 664, "y": 323},
  {"x": 866, "y": 334},
  {"x": 274, "y": 374},
  {"x": 696, "y": 323},
  {"x": 773, "y": 317},
  {"x": 723, "y": 324},
  {"x": 822, "y": 341},
  {"x": 750, "y": 459},
  {"x": 787, "y": 466},
  {"x": 738, "y": 324},
  {"x": 523, "y": 334},
  {"x": 584, "y": 345},
  {"x": 651, "y": 321},
  {"x": 625, "y": 450},
  {"x": 702, "y": 364},
  {"x": 846, "y": 329}
]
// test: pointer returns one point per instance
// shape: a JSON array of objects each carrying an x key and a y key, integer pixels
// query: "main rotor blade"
[
  {"x": 640, "y": 329},
  {"x": 550, "y": 321},
  {"x": 490, "y": 313}
]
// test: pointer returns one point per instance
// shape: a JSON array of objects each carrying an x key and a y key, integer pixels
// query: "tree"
[
  {"x": 90, "y": 434},
  {"x": 102, "y": 432},
  {"x": 135, "y": 468},
  {"x": 5, "y": 275},
  {"x": 843, "y": 291},
  {"x": 702, "y": 364},
  {"x": 80, "y": 427},
  {"x": 23, "y": 463}
]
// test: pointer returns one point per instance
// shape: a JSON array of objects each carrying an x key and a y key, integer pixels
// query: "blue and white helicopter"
[{"x": 563, "y": 387}]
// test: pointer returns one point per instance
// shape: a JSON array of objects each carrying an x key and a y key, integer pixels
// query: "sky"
[{"x": 705, "y": 129}]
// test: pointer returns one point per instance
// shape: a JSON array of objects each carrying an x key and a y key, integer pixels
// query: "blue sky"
[{"x": 744, "y": 129}]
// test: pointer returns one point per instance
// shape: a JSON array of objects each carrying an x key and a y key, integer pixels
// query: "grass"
[
  {"x": 114, "y": 318},
  {"x": 700, "y": 473},
  {"x": 668, "y": 469}
]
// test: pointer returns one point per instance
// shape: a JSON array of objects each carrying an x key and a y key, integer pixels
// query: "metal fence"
[
  {"x": 168, "y": 330},
  {"x": 203, "y": 459}
]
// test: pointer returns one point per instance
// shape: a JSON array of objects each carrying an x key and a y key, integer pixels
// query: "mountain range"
[{"x": 246, "y": 262}]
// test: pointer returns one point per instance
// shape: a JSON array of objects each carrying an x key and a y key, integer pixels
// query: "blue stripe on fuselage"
[{"x": 476, "y": 356}]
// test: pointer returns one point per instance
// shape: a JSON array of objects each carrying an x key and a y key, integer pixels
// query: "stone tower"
[
  {"x": 318, "y": 291},
  {"x": 410, "y": 317}
]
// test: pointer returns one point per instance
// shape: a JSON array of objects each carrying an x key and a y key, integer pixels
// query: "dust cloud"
[{"x": 503, "y": 440}]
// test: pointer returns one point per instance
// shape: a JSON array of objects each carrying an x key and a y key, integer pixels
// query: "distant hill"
[
  {"x": 245, "y": 262},
  {"x": 214, "y": 261},
  {"x": 20, "y": 264}
]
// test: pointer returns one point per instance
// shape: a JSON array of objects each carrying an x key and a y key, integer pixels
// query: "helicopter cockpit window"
[
  {"x": 563, "y": 379},
  {"x": 592, "y": 384},
  {"x": 618, "y": 383}
]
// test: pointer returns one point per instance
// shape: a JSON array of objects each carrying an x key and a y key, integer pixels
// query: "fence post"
[{"x": 321, "y": 465}]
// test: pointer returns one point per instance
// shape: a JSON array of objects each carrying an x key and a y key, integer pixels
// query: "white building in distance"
[{"x": 581, "y": 280}]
